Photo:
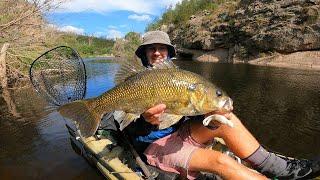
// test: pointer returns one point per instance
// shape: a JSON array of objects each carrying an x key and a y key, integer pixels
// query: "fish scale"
[{"x": 153, "y": 87}]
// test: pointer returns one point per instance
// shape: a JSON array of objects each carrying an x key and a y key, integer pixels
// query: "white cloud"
[
  {"x": 113, "y": 34},
  {"x": 138, "y": 6},
  {"x": 99, "y": 34},
  {"x": 110, "y": 33},
  {"x": 52, "y": 26},
  {"x": 137, "y": 17},
  {"x": 112, "y": 27},
  {"x": 71, "y": 29}
]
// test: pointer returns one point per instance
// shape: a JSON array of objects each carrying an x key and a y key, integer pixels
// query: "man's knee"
[{"x": 207, "y": 160}]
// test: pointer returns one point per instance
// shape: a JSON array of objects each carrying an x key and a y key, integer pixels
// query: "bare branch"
[
  {"x": 4, "y": 26},
  {"x": 22, "y": 24}
]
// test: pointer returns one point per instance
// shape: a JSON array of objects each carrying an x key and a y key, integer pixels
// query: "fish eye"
[{"x": 218, "y": 93}]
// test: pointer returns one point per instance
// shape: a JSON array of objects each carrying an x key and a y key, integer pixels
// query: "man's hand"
[
  {"x": 216, "y": 119},
  {"x": 152, "y": 115}
]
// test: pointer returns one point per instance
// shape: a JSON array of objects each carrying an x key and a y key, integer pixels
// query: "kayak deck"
[{"x": 107, "y": 156}]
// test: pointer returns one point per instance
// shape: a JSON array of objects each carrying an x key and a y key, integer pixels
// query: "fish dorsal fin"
[
  {"x": 166, "y": 64},
  {"x": 128, "y": 68},
  {"x": 132, "y": 67}
]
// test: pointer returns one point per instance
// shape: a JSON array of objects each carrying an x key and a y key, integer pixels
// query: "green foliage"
[
  {"x": 133, "y": 40},
  {"x": 87, "y": 46},
  {"x": 127, "y": 46},
  {"x": 182, "y": 12}
]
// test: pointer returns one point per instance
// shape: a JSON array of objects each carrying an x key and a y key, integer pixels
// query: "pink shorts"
[{"x": 173, "y": 152}]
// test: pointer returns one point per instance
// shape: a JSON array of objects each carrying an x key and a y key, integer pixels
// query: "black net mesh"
[{"x": 59, "y": 75}]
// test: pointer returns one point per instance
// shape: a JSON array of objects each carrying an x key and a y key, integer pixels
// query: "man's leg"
[
  {"x": 238, "y": 139},
  {"x": 207, "y": 160},
  {"x": 273, "y": 165},
  {"x": 241, "y": 142}
]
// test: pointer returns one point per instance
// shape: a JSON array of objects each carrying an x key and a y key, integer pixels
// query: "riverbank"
[
  {"x": 306, "y": 60},
  {"x": 265, "y": 33}
]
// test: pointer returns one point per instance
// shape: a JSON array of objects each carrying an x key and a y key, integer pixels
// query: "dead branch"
[
  {"x": 4, "y": 26},
  {"x": 23, "y": 25}
]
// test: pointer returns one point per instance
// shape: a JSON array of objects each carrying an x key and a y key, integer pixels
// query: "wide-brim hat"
[{"x": 155, "y": 37}]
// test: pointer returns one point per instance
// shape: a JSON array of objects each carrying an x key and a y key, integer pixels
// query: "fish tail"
[{"x": 86, "y": 119}]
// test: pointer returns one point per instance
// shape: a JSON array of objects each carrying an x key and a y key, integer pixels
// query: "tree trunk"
[
  {"x": 3, "y": 82},
  {"x": 3, "y": 69}
]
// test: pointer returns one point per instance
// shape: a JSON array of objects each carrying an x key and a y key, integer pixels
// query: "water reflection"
[
  {"x": 100, "y": 77},
  {"x": 36, "y": 145},
  {"x": 280, "y": 106}
]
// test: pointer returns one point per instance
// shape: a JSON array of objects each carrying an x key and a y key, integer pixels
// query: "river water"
[{"x": 281, "y": 107}]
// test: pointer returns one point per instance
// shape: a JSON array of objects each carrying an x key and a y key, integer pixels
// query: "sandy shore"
[{"x": 308, "y": 60}]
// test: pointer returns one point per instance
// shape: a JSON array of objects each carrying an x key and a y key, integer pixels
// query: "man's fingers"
[
  {"x": 152, "y": 115},
  {"x": 158, "y": 109},
  {"x": 229, "y": 115},
  {"x": 154, "y": 121}
]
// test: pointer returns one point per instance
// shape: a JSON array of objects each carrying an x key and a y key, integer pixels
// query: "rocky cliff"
[{"x": 249, "y": 29}]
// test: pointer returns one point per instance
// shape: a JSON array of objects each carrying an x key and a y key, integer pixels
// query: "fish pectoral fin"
[
  {"x": 167, "y": 120},
  {"x": 86, "y": 120},
  {"x": 124, "y": 119}
]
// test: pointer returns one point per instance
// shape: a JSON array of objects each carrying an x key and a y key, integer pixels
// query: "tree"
[
  {"x": 22, "y": 26},
  {"x": 127, "y": 46}
]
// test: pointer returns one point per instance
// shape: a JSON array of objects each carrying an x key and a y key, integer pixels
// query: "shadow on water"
[{"x": 280, "y": 106}]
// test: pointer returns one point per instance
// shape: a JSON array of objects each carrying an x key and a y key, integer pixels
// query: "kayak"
[{"x": 113, "y": 158}]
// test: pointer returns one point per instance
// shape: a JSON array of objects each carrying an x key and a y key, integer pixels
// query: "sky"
[{"x": 107, "y": 18}]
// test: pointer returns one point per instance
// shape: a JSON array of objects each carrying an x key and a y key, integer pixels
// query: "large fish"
[{"x": 139, "y": 88}]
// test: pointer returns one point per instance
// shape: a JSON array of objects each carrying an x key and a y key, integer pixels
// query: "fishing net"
[{"x": 59, "y": 75}]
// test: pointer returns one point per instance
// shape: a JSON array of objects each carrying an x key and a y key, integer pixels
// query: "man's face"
[{"x": 156, "y": 53}]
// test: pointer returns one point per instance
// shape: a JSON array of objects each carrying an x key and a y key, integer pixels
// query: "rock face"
[
  {"x": 283, "y": 26},
  {"x": 250, "y": 27}
]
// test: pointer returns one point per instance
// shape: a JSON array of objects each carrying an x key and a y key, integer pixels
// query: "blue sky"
[{"x": 107, "y": 18}]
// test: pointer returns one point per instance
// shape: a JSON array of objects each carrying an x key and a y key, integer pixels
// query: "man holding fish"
[{"x": 181, "y": 113}]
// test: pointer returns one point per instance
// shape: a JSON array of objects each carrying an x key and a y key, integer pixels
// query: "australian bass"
[{"x": 139, "y": 88}]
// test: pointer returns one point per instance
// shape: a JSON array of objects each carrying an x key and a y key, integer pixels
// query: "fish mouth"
[{"x": 226, "y": 105}]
